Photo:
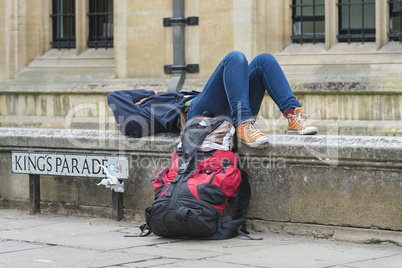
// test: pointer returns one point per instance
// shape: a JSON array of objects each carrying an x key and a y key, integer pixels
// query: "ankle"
[{"x": 288, "y": 111}]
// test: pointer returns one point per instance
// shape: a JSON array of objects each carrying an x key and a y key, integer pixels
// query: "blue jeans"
[{"x": 236, "y": 89}]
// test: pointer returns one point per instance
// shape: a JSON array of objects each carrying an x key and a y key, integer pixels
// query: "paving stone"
[
  {"x": 320, "y": 253},
  {"x": 51, "y": 256},
  {"x": 172, "y": 252},
  {"x": 157, "y": 262},
  {"x": 61, "y": 241},
  {"x": 204, "y": 263},
  {"x": 388, "y": 262},
  {"x": 13, "y": 246}
]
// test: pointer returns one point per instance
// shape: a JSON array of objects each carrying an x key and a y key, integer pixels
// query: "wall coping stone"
[{"x": 379, "y": 151}]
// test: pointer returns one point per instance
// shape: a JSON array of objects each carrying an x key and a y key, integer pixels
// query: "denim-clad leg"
[
  {"x": 226, "y": 92},
  {"x": 236, "y": 89},
  {"x": 265, "y": 74}
]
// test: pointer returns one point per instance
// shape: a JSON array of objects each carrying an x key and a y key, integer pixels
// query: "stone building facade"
[{"x": 343, "y": 58}]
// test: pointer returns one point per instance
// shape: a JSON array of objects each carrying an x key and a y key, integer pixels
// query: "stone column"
[
  {"x": 120, "y": 37},
  {"x": 278, "y": 21},
  {"x": 244, "y": 24},
  {"x": 8, "y": 38},
  {"x": 261, "y": 27},
  {"x": 30, "y": 31},
  {"x": 46, "y": 35},
  {"x": 81, "y": 25},
  {"x": 331, "y": 23},
  {"x": 287, "y": 23},
  {"x": 24, "y": 33},
  {"x": 381, "y": 22}
]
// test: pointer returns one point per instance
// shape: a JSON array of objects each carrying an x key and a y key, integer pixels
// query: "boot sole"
[
  {"x": 306, "y": 131},
  {"x": 262, "y": 143}
]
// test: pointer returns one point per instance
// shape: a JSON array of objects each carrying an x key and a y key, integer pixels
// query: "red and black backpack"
[{"x": 191, "y": 194}]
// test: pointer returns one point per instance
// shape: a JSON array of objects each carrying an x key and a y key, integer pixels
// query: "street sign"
[{"x": 77, "y": 165}]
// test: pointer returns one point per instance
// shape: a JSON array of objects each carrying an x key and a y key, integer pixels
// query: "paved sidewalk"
[{"x": 60, "y": 241}]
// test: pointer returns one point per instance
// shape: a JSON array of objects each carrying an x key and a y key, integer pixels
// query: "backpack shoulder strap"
[
  {"x": 145, "y": 231},
  {"x": 243, "y": 202},
  {"x": 244, "y": 196}
]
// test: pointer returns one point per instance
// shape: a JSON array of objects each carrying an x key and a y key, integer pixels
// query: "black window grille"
[
  {"x": 100, "y": 24},
  {"x": 356, "y": 21},
  {"x": 63, "y": 17},
  {"x": 395, "y": 21},
  {"x": 308, "y": 17}
]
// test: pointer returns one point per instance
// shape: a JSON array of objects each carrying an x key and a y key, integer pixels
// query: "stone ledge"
[
  {"x": 93, "y": 84},
  {"x": 317, "y": 149},
  {"x": 387, "y": 128},
  {"x": 326, "y": 180},
  {"x": 103, "y": 81}
]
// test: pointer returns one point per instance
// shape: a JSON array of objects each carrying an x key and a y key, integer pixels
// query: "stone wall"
[
  {"x": 143, "y": 45},
  {"x": 356, "y": 87},
  {"x": 326, "y": 180},
  {"x": 345, "y": 107},
  {"x": 25, "y": 33}
]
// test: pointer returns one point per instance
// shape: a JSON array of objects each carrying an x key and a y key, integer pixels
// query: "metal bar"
[
  {"x": 363, "y": 22},
  {"x": 60, "y": 21},
  {"x": 301, "y": 22},
  {"x": 306, "y": 5},
  {"x": 349, "y": 11},
  {"x": 96, "y": 23},
  {"x": 70, "y": 20},
  {"x": 73, "y": 24},
  {"x": 55, "y": 22},
  {"x": 178, "y": 78},
  {"x": 294, "y": 11},
  {"x": 106, "y": 24},
  {"x": 99, "y": 13},
  {"x": 356, "y": 4},
  {"x": 314, "y": 22},
  {"x": 90, "y": 22},
  {"x": 34, "y": 194},
  {"x": 347, "y": 6},
  {"x": 178, "y": 34},
  {"x": 319, "y": 37},
  {"x": 69, "y": 2},
  {"x": 66, "y": 19},
  {"x": 310, "y": 18},
  {"x": 400, "y": 21},
  {"x": 117, "y": 206}
]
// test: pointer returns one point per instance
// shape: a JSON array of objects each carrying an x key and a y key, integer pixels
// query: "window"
[
  {"x": 308, "y": 17},
  {"x": 395, "y": 22},
  {"x": 100, "y": 23},
  {"x": 63, "y": 17},
  {"x": 356, "y": 21}
]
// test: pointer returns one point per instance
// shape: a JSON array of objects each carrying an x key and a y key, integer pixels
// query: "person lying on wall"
[{"x": 235, "y": 90}]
